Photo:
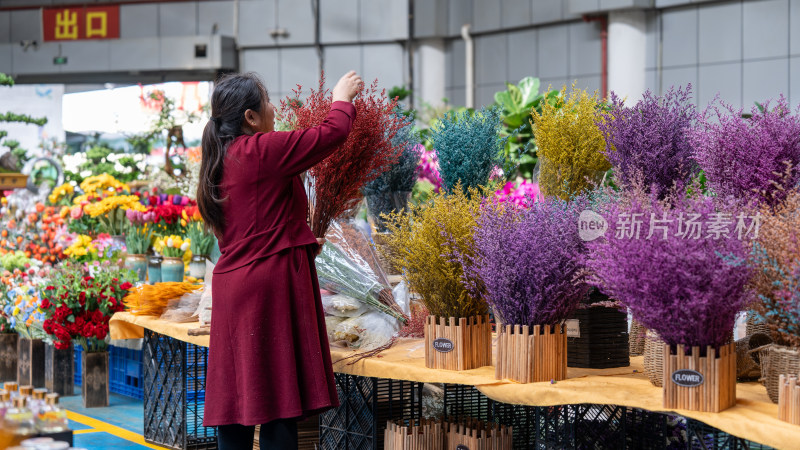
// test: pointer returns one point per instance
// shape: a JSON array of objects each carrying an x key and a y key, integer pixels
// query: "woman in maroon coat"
[{"x": 269, "y": 361}]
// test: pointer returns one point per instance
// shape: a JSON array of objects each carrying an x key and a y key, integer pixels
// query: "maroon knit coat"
[{"x": 269, "y": 356}]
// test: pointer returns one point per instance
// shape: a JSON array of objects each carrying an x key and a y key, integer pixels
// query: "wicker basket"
[
  {"x": 382, "y": 250},
  {"x": 636, "y": 338},
  {"x": 776, "y": 360},
  {"x": 747, "y": 360},
  {"x": 754, "y": 326},
  {"x": 654, "y": 358}
]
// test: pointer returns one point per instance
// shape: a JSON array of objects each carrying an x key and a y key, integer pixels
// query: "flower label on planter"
[
  {"x": 462, "y": 447},
  {"x": 687, "y": 378},
  {"x": 443, "y": 345},
  {"x": 573, "y": 328}
]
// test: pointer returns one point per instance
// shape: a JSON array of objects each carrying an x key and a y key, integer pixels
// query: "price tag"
[{"x": 574, "y": 328}]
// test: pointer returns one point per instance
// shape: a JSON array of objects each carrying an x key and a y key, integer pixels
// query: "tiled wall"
[{"x": 745, "y": 50}]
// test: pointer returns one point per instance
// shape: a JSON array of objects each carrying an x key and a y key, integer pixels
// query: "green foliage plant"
[{"x": 517, "y": 104}]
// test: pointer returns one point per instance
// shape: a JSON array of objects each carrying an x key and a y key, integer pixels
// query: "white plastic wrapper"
[
  {"x": 402, "y": 296},
  {"x": 366, "y": 332},
  {"x": 204, "y": 307},
  {"x": 348, "y": 266},
  {"x": 343, "y": 306}
]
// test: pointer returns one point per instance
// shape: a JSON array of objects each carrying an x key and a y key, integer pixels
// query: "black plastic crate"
[
  {"x": 366, "y": 404},
  {"x": 174, "y": 393},
  {"x": 593, "y": 427},
  {"x": 704, "y": 437}
]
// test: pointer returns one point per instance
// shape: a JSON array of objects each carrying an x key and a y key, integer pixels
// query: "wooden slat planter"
[
  {"x": 789, "y": 399},
  {"x": 8, "y": 356},
  {"x": 698, "y": 383},
  {"x": 427, "y": 435},
  {"x": 59, "y": 374},
  {"x": 30, "y": 362},
  {"x": 458, "y": 344},
  {"x": 477, "y": 436},
  {"x": 94, "y": 391},
  {"x": 529, "y": 356}
]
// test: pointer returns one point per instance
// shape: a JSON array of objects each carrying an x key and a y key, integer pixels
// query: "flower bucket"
[
  {"x": 94, "y": 376},
  {"x": 529, "y": 356},
  {"x": 636, "y": 338},
  {"x": 30, "y": 362},
  {"x": 700, "y": 383},
  {"x": 8, "y": 356},
  {"x": 138, "y": 264},
  {"x": 789, "y": 399},
  {"x": 458, "y": 344},
  {"x": 172, "y": 269},
  {"x": 197, "y": 267},
  {"x": 154, "y": 270},
  {"x": 599, "y": 339},
  {"x": 59, "y": 375},
  {"x": 426, "y": 434}
]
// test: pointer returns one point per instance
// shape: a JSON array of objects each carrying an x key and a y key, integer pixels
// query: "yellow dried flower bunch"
[
  {"x": 424, "y": 242},
  {"x": 570, "y": 144}
]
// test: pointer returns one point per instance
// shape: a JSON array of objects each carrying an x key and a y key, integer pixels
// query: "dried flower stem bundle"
[
  {"x": 529, "y": 261},
  {"x": 646, "y": 143},
  {"x": 570, "y": 144},
  {"x": 687, "y": 289},
  {"x": 776, "y": 258},
  {"x": 425, "y": 241},
  {"x": 367, "y": 152},
  {"x": 748, "y": 157}
]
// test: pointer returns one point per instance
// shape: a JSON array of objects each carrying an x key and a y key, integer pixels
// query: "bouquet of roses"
[{"x": 79, "y": 306}]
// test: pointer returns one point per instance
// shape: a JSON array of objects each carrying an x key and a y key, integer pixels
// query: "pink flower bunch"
[
  {"x": 139, "y": 218},
  {"x": 523, "y": 194},
  {"x": 428, "y": 169}
]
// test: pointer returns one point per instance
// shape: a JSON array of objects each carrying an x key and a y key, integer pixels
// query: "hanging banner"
[{"x": 72, "y": 24}]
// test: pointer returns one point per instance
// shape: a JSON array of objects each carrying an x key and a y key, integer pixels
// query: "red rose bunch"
[
  {"x": 366, "y": 154},
  {"x": 78, "y": 305}
]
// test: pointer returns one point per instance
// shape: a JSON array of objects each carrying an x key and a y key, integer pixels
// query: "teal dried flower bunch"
[{"x": 469, "y": 146}]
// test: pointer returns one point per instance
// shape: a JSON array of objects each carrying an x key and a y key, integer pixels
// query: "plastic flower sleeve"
[{"x": 343, "y": 267}]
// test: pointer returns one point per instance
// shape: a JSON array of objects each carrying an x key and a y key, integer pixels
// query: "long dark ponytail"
[{"x": 233, "y": 95}]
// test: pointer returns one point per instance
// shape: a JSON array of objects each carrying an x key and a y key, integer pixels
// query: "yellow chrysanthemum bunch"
[
  {"x": 423, "y": 243},
  {"x": 60, "y": 192},
  {"x": 82, "y": 246},
  {"x": 570, "y": 144},
  {"x": 108, "y": 204},
  {"x": 102, "y": 182}
]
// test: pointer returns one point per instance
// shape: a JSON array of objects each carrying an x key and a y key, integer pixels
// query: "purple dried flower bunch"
[
  {"x": 529, "y": 260},
  {"x": 646, "y": 143},
  {"x": 756, "y": 158},
  {"x": 683, "y": 281}
]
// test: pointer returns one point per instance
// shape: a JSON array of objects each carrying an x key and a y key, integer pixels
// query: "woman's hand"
[
  {"x": 347, "y": 87},
  {"x": 321, "y": 242}
]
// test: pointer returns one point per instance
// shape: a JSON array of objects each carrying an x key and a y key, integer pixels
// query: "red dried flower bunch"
[{"x": 366, "y": 154}]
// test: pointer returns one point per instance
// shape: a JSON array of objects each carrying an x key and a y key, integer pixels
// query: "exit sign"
[{"x": 59, "y": 60}]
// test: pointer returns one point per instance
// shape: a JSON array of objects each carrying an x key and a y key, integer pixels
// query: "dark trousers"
[{"x": 276, "y": 435}]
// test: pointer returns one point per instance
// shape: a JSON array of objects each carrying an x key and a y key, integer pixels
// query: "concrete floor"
[{"x": 118, "y": 426}]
